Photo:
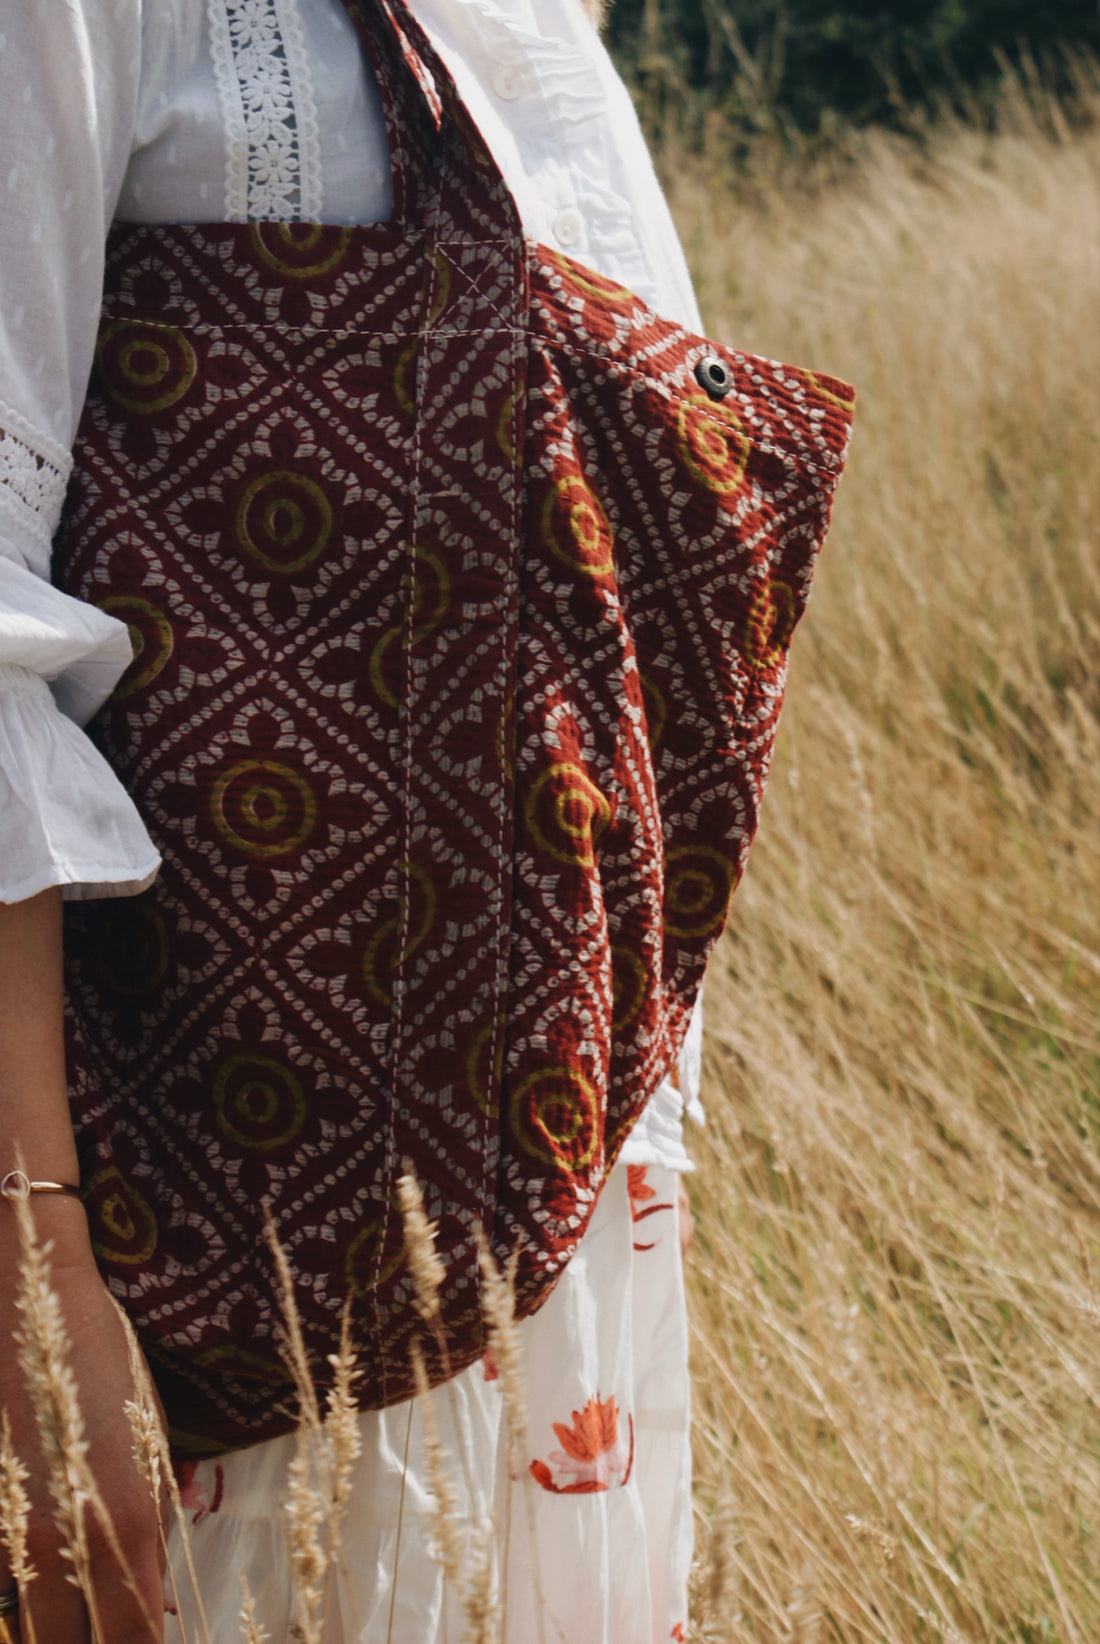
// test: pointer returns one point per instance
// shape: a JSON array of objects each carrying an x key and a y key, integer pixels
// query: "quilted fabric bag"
[{"x": 461, "y": 588}]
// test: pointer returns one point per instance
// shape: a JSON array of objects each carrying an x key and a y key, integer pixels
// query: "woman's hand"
[
  {"x": 128, "y": 1597},
  {"x": 36, "y": 1135}
]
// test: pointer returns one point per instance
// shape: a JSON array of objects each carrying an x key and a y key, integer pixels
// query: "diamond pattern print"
[{"x": 461, "y": 615}]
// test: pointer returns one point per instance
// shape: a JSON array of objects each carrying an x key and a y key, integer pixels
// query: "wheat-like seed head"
[
  {"x": 446, "y": 1531},
  {"x": 343, "y": 1434},
  {"x": 251, "y": 1630},
  {"x": 427, "y": 1270},
  {"x": 306, "y": 1516},
  {"x": 295, "y": 1355},
  {"x": 881, "y": 1541},
  {"x": 498, "y": 1304},
  {"x": 44, "y": 1354},
  {"x": 153, "y": 1433},
  {"x": 143, "y": 1431},
  {"x": 480, "y": 1610},
  {"x": 15, "y": 1507}
]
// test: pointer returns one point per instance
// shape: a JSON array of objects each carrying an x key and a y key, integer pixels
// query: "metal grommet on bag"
[{"x": 714, "y": 375}]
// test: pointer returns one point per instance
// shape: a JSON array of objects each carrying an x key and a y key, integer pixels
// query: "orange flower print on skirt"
[
  {"x": 593, "y": 1452},
  {"x": 640, "y": 1192}
]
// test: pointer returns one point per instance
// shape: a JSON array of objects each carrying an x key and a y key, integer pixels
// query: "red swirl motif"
[
  {"x": 566, "y": 813},
  {"x": 555, "y": 1116},
  {"x": 772, "y": 618},
  {"x": 712, "y": 445},
  {"x": 576, "y": 528}
]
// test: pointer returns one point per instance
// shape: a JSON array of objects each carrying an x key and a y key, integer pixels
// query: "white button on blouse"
[
  {"x": 508, "y": 81},
  {"x": 568, "y": 228}
]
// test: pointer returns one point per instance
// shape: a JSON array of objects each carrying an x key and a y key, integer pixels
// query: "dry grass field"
[{"x": 895, "y": 1282}]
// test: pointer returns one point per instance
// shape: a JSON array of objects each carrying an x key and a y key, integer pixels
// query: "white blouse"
[{"x": 234, "y": 110}]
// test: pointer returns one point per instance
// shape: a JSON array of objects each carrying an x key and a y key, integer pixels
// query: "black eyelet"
[{"x": 714, "y": 375}]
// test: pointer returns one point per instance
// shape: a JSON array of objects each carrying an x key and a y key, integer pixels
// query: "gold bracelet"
[{"x": 18, "y": 1185}]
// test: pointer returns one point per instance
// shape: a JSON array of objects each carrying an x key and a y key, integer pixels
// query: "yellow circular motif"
[
  {"x": 150, "y": 638},
  {"x": 431, "y": 602},
  {"x": 629, "y": 987},
  {"x": 258, "y": 1102},
  {"x": 379, "y": 961},
  {"x": 555, "y": 1116},
  {"x": 698, "y": 887},
  {"x": 377, "y": 666},
  {"x": 506, "y": 423},
  {"x": 233, "y": 1360},
  {"x": 402, "y": 393},
  {"x": 587, "y": 281},
  {"x": 477, "y": 1068},
  {"x": 301, "y": 250},
  {"x": 431, "y": 594},
  {"x": 772, "y": 617},
  {"x": 712, "y": 443},
  {"x": 656, "y": 708},
  {"x": 284, "y": 521},
  {"x": 566, "y": 814},
  {"x": 576, "y": 529},
  {"x": 819, "y": 387},
  {"x": 124, "y": 1228},
  {"x": 442, "y": 292},
  {"x": 144, "y": 366},
  {"x": 362, "y": 1253},
  {"x": 263, "y": 808}
]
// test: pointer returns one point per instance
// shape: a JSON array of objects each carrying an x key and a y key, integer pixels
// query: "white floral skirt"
[{"x": 592, "y": 1533}]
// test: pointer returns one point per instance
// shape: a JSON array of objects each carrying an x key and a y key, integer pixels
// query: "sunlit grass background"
[{"x": 895, "y": 1283}]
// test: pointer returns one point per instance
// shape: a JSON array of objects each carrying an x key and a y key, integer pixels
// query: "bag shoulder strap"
[{"x": 443, "y": 169}]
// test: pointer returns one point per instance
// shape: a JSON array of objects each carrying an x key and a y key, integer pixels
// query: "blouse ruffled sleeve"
[{"x": 68, "y": 87}]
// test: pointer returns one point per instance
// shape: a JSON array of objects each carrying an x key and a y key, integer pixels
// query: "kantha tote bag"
[{"x": 461, "y": 588}]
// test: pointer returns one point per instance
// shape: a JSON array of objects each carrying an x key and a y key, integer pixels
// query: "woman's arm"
[
  {"x": 34, "y": 1103},
  {"x": 35, "y": 1128},
  {"x": 69, "y": 75}
]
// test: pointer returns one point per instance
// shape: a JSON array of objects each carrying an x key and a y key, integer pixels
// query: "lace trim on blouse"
[
  {"x": 34, "y": 471},
  {"x": 265, "y": 88}
]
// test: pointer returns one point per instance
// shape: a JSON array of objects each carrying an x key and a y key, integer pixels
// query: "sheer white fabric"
[{"x": 592, "y": 1535}]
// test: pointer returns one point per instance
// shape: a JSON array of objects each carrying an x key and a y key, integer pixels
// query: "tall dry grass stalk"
[
  {"x": 154, "y": 1462},
  {"x": 894, "y": 1281},
  {"x": 44, "y": 1354},
  {"x": 320, "y": 1475},
  {"x": 15, "y": 1514}
]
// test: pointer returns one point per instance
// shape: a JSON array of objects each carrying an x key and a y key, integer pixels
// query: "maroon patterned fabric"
[{"x": 461, "y": 615}]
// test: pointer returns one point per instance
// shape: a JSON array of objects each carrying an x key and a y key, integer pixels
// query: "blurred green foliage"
[{"x": 800, "y": 65}]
